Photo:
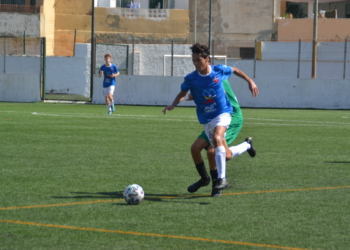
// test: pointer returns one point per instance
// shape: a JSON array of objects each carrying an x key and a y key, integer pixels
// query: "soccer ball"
[{"x": 133, "y": 194}]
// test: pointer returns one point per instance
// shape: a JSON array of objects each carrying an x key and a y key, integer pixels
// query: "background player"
[{"x": 110, "y": 72}]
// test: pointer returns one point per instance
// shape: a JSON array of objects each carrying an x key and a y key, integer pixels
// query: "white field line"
[
  {"x": 279, "y": 120},
  {"x": 187, "y": 117},
  {"x": 117, "y": 116},
  {"x": 192, "y": 119}
]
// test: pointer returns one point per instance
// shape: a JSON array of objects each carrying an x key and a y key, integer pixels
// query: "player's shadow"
[
  {"x": 149, "y": 197},
  {"x": 81, "y": 195},
  {"x": 173, "y": 198}
]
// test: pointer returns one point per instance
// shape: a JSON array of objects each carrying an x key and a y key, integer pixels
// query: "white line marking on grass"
[
  {"x": 279, "y": 120},
  {"x": 114, "y": 116},
  {"x": 192, "y": 119},
  {"x": 301, "y": 125}
]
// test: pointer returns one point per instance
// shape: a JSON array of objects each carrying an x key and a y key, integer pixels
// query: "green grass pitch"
[{"x": 63, "y": 168}]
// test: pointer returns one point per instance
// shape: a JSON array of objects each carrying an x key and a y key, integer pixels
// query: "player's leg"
[
  {"x": 220, "y": 156},
  {"x": 110, "y": 97},
  {"x": 105, "y": 94},
  {"x": 215, "y": 130},
  {"x": 246, "y": 146},
  {"x": 231, "y": 134},
  {"x": 213, "y": 172},
  {"x": 196, "y": 149}
]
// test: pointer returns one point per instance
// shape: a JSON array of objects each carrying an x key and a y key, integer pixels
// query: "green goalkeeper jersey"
[{"x": 237, "y": 116}]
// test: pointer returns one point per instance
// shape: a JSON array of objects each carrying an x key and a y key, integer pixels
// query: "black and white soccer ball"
[{"x": 133, "y": 194}]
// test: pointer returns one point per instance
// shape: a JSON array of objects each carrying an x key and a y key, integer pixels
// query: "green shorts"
[{"x": 232, "y": 131}]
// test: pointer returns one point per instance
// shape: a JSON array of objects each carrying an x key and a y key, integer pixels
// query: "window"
[
  {"x": 299, "y": 10},
  {"x": 17, "y": 2},
  {"x": 156, "y": 4}
]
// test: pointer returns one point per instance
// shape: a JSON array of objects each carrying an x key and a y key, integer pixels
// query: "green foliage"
[{"x": 293, "y": 194}]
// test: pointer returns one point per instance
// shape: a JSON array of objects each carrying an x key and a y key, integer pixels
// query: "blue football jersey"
[
  {"x": 208, "y": 92},
  {"x": 107, "y": 72}
]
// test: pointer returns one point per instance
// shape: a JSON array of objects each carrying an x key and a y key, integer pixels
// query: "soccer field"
[{"x": 64, "y": 167}]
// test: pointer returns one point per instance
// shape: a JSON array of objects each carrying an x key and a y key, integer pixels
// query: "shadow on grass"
[
  {"x": 172, "y": 199},
  {"x": 149, "y": 197},
  {"x": 81, "y": 195}
]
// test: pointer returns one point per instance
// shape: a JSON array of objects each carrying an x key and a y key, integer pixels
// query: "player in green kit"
[{"x": 202, "y": 142}]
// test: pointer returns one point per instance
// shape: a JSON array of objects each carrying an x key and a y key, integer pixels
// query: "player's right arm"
[
  {"x": 251, "y": 84},
  {"x": 100, "y": 73},
  {"x": 180, "y": 96}
]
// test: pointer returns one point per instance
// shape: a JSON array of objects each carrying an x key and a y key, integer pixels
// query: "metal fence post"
[
  {"x": 43, "y": 42},
  {"x": 213, "y": 52},
  {"x": 75, "y": 39},
  {"x": 172, "y": 57},
  {"x": 195, "y": 22},
  {"x": 299, "y": 51},
  {"x": 345, "y": 52},
  {"x": 255, "y": 59},
  {"x": 4, "y": 55},
  {"x": 314, "y": 41},
  {"x": 24, "y": 42},
  {"x": 93, "y": 51},
  {"x": 133, "y": 56},
  {"x": 210, "y": 23}
]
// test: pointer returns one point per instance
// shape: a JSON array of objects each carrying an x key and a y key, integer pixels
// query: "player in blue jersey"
[
  {"x": 110, "y": 72},
  {"x": 213, "y": 107},
  {"x": 202, "y": 142}
]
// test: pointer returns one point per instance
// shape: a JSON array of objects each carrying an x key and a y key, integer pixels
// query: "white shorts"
[
  {"x": 222, "y": 120},
  {"x": 108, "y": 90}
]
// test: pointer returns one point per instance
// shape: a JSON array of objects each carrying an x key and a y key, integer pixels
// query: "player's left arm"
[
  {"x": 117, "y": 72},
  {"x": 252, "y": 86}
]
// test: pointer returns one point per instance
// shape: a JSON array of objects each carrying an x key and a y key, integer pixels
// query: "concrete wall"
[
  {"x": 13, "y": 24},
  {"x": 279, "y": 60},
  {"x": 235, "y": 23},
  {"x": 288, "y": 51},
  {"x": 20, "y": 65},
  {"x": 69, "y": 75},
  {"x": 276, "y": 79},
  {"x": 161, "y": 90},
  {"x": 105, "y": 3},
  {"x": 19, "y": 88},
  {"x": 183, "y": 4},
  {"x": 329, "y": 29},
  {"x": 291, "y": 93}
]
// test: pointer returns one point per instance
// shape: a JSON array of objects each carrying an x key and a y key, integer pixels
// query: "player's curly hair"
[{"x": 200, "y": 49}]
